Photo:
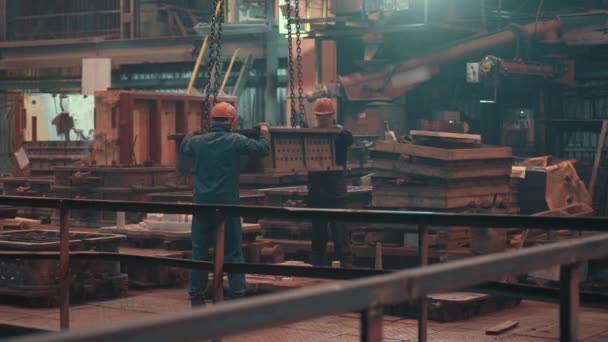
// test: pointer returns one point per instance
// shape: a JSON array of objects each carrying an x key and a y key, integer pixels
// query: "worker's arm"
[
  {"x": 256, "y": 148},
  {"x": 187, "y": 146}
]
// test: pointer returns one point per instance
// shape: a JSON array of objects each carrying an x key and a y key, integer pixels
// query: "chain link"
[
  {"x": 214, "y": 45},
  {"x": 301, "y": 108},
  {"x": 292, "y": 92}
]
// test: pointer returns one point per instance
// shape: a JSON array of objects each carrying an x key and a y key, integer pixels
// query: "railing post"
[
  {"x": 371, "y": 324},
  {"x": 218, "y": 259},
  {"x": 423, "y": 256},
  {"x": 569, "y": 303},
  {"x": 64, "y": 267}
]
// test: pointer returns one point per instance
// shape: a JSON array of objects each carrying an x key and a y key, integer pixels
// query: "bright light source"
[
  {"x": 487, "y": 101},
  {"x": 522, "y": 112}
]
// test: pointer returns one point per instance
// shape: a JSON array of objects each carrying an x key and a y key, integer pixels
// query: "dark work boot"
[{"x": 197, "y": 302}]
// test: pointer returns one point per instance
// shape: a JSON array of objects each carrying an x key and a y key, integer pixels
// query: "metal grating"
[
  {"x": 319, "y": 152},
  {"x": 288, "y": 153}
]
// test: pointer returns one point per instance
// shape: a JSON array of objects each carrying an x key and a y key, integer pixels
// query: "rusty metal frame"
[{"x": 364, "y": 295}]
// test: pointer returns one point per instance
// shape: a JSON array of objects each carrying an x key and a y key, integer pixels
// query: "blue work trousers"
[{"x": 202, "y": 239}]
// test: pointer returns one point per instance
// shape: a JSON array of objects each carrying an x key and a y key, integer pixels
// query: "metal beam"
[
  {"x": 271, "y": 105},
  {"x": 69, "y": 52},
  {"x": 597, "y": 224},
  {"x": 124, "y": 84},
  {"x": 269, "y": 311},
  {"x": 3, "y": 17}
]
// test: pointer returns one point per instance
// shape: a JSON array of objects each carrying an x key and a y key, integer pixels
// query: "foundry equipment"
[{"x": 37, "y": 280}]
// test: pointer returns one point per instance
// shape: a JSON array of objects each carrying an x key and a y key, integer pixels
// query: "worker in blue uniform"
[
  {"x": 216, "y": 181},
  {"x": 328, "y": 190}
]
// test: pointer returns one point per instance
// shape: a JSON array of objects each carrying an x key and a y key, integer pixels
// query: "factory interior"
[{"x": 304, "y": 170}]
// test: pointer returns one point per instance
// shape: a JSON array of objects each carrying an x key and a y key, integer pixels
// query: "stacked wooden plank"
[
  {"x": 445, "y": 172},
  {"x": 409, "y": 176}
]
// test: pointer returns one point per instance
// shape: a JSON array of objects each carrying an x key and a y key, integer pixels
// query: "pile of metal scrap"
[
  {"x": 132, "y": 183},
  {"x": 36, "y": 280}
]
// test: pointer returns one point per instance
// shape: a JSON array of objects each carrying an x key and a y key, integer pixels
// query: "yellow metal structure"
[
  {"x": 201, "y": 54},
  {"x": 234, "y": 55}
]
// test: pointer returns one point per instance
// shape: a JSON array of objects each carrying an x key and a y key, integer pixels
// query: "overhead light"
[{"x": 487, "y": 101}]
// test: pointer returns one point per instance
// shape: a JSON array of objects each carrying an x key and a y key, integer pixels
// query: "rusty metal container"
[
  {"x": 293, "y": 150},
  {"x": 39, "y": 280}
]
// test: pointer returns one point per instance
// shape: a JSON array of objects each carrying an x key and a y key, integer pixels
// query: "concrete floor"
[{"x": 537, "y": 321}]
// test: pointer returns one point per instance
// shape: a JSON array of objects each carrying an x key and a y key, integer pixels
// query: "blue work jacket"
[{"x": 217, "y": 162}]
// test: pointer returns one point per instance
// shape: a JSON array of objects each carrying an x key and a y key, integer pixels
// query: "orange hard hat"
[
  {"x": 223, "y": 110},
  {"x": 324, "y": 106}
]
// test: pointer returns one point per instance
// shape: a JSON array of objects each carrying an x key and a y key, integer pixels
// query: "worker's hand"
[
  {"x": 196, "y": 132},
  {"x": 262, "y": 126},
  {"x": 339, "y": 126}
]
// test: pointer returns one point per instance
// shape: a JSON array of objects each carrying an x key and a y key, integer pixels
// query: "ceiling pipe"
[{"x": 381, "y": 85}]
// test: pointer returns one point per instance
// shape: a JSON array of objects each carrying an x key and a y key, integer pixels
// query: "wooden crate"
[{"x": 121, "y": 116}]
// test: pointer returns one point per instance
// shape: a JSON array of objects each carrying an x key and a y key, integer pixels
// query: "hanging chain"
[
  {"x": 301, "y": 108},
  {"x": 213, "y": 63},
  {"x": 292, "y": 92}
]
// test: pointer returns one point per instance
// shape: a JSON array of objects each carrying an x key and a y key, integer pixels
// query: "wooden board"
[
  {"x": 141, "y": 132},
  {"x": 168, "y": 120},
  {"x": 476, "y": 153},
  {"x": 443, "y": 126},
  {"x": 413, "y": 201},
  {"x": 502, "y": 327},
  {"x": 458, "y": 137},
  {"x": 405, "y": 168},
  {"x": 438, "y": 192}
]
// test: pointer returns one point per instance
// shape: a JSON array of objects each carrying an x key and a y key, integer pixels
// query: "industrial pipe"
[{"x": 357, "y": 86}]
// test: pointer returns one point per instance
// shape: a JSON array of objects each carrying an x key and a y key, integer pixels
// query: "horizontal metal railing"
[{"x": 367, "y": 295}]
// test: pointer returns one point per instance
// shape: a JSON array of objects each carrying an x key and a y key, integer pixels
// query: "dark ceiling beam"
[
  {"x": 254, "y": 81},
  {"x": 69, "y": 53}
]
